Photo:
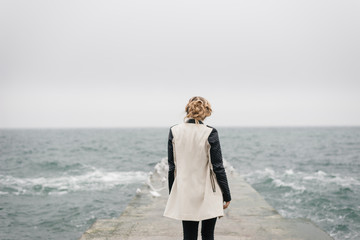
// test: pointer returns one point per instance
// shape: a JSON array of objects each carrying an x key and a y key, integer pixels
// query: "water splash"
[{"x": 91, "y": 181}]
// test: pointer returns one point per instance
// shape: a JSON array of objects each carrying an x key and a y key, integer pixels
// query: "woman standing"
[{"x": 198, "y": 184}]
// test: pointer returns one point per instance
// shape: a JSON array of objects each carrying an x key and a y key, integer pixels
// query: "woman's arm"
[
  {"x": 218, "y": 166},
  {"x": 171, "y": 175}
]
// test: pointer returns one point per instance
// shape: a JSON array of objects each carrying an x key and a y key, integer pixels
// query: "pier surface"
[{"x": 249, "y": 216}]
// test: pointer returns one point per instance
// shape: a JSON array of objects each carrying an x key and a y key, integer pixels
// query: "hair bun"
[{"x": 198, "y": 108}]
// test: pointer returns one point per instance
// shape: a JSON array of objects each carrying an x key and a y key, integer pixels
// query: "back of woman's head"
[{"x": 198, "y": 108}]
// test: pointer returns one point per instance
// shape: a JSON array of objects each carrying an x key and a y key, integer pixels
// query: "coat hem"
[{"x": 192, "y": 218}]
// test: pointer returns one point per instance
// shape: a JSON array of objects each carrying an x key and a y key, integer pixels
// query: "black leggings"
[{"x": 190, "y": 229}]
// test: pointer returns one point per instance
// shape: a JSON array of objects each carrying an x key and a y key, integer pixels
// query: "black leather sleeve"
[
  {"x": 218, "y": 166},
  {"x": 171, "y": 175}
]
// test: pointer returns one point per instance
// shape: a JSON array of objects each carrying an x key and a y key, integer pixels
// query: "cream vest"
[{"x": 195, "y": 194}]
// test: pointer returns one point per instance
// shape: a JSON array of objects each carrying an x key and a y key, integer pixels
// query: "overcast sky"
[{"x": 136, "y": 63}]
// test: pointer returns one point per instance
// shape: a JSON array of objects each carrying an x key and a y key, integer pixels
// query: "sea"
[{"x": 55, "y": 183}]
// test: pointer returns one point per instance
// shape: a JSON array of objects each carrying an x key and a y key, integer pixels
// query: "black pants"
[{"x": 190, "y": 229}]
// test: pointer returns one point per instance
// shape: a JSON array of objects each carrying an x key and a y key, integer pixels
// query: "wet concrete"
[{"x": 249, "y": 216}]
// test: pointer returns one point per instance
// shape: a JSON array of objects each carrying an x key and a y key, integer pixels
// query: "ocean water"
[{"x": 54, "y": 183}]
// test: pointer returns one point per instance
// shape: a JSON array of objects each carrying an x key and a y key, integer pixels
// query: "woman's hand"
[{"x": 226, "y": 204}]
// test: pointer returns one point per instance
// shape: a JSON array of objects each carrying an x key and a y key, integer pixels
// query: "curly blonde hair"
[{"x": 198, "y": 108}]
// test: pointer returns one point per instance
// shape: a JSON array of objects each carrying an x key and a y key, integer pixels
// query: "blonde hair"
[{"x": 198, "y": 108}]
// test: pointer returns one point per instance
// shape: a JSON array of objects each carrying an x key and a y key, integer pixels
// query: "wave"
[
  {"x": 91, "y": 181},
  {"x": 292, "y": 185},
  {"x": 289, "y": 175},
  {"x": 324, "y": 197},
  {"x": 325, "y": 178}
]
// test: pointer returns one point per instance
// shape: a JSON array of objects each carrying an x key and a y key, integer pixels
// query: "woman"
[{"x": 198, "y": 184}]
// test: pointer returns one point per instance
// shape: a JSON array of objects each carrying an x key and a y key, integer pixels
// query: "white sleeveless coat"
[{"x": 194, "y": 195}]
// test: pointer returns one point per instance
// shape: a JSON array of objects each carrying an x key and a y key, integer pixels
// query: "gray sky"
[{"x": 136, "y": 63}]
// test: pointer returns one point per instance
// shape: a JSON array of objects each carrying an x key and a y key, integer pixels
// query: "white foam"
[
  {"x": 228, "y": 168},
  {"x": 267, "y": 172},
  {"x": 294, "y": 186},
  {"x": 321, "y": 173},
  {"x": 325, "y": 178},
  {"x": 155, "y": 194},
  {"x": 160, "y": 171},
  {"x": 162, "y": 167},
  {"x": 58, "y": 193},
  {"x": 344, "y": 181},
  {"x": 90, "y": 181}
]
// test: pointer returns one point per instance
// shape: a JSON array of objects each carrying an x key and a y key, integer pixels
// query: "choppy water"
[{"x": 54, "y": 183}]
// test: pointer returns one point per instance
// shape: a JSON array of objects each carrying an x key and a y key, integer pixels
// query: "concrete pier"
[{"x": 249, "y": 216}]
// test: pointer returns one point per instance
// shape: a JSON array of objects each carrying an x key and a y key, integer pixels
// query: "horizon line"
[{"x": 218, "y": 126}]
